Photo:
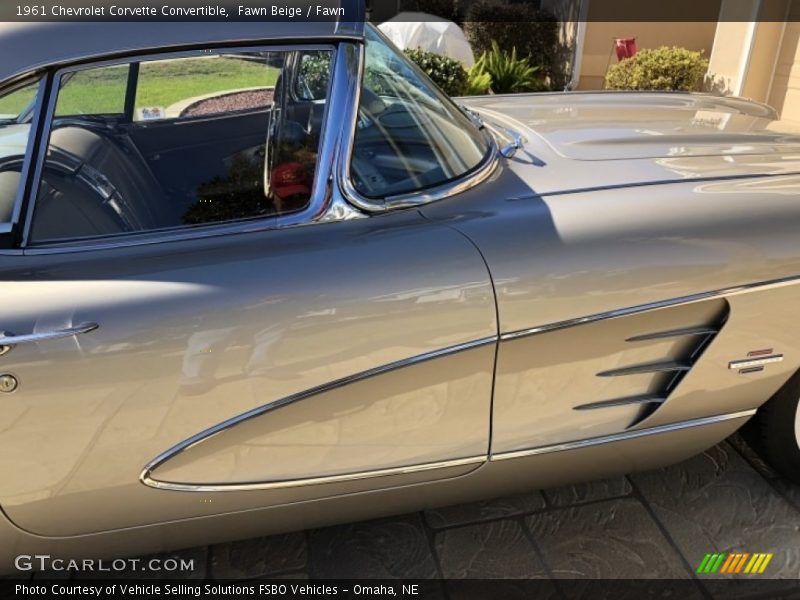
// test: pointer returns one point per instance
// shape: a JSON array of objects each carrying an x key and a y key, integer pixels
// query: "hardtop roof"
[{"x": 26, "y": 47}]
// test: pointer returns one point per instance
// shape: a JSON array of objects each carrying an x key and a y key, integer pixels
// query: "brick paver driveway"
[{"x": 657, "y": 524}]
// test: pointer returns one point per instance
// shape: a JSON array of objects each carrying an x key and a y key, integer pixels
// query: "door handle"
[{"x": 8, "y": 341}]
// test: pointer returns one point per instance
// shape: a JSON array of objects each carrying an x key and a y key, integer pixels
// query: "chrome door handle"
[{"x": 8, "y": 341}]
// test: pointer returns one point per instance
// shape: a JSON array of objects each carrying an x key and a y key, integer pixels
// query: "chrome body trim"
[
  {"x": 8, "y": 341},
  {"x": 342, "y": 95},
  {"x": 516, "y": 139},
  {"x": 749, "y": 362},
  {"x": 640, "y": 308},
  {"x": 643, "y": 399},
  {"x": 655, "y": 367},
  {"x": 620, "y": 437},
  {"x": 146, "y": 478},
  {"x": 38, "y": 118},
  {"x": 288, "y": 483},
  {"x": 684, "y": 332}
]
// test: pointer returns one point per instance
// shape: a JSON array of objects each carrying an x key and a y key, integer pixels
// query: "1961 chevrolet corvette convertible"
[{"x": 259, "y": 277}]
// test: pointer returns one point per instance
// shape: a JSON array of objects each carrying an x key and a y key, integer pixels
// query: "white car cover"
[{"x": 431, "y": 33}]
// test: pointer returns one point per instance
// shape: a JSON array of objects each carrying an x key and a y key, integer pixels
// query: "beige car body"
[{"x": 568, "y": 312}]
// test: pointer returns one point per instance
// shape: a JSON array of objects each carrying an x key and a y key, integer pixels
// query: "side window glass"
[
  {"x": 311, "y": 82},
  {"x": 201, "y": 140},
  {"x": 16, "y": 110},
  {"x": 183, "y": 88},
  {"x": 93, "y": 92}
]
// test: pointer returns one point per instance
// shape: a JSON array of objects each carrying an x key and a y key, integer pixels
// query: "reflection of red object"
[
  {"x": 625, "y": 47},
  {"x": 289, "y": 179}
]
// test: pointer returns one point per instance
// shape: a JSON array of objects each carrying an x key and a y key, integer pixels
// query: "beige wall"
[
  {"x": 784, "y": 93},
  {"x": 598, "y": 52},
  {"x": 759, "y": 57},
  {"x": 747, "y": 43}
]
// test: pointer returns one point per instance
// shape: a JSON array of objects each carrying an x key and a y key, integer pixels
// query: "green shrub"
[
  {"x": 448, "y": 73},
  {"x": 478, "y": 81},
  {"x": 508, "y": 72},
  {"x": 534, "y": 33},
  {"x": 662, "y": 68}
]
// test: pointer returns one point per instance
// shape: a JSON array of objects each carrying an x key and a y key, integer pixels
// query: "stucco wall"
[
  {"x": 598, "y": 52},
  {"x": 747, "y": 43},
  {"x": 784, "y": 93}
]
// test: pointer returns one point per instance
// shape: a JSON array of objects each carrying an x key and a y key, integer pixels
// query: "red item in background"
[
  {"x": 625, "y": 47},
  {"x": 289, "y": 179}
]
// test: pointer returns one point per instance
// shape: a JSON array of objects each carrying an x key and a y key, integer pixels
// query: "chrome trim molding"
[
  {"x": 287, "y": 483},
  {"x": 656, "y": 367},
  {"x": 628, "y": 400},
  {"x": 146, "y": 478},
  {"x": 639, "y": 308},
  {"x": 684, "y": 332},
  {"x": 745, "y": 363},
  {"x": 478, "y": 175},
  {"x": 7, "y": 339},
  {"x": 620, "y": 437}
]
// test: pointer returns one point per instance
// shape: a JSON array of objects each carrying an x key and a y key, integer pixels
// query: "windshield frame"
[{"x": 470, "y": 178}]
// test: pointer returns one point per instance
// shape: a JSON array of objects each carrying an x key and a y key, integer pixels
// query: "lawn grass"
[
  {"x": 15, "y": 102},
  {"x": 165, "y": 82},
  {"x": 161, "y": 83}
]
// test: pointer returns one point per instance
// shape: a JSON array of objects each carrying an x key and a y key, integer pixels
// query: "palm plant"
[{"x": 508, "y": 72}]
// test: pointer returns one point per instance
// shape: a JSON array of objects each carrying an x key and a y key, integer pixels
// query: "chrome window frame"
[
  {"x": 10, "y": 228},
  {"x": 479, "y": 173},
  {"x": 321, "y": 205}
]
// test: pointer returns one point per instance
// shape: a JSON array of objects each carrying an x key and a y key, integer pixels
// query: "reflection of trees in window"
[
  {"x": 240, "y": 193},
  {"x": 312, "y": 82},
  {"x": 237, "y": 195}
]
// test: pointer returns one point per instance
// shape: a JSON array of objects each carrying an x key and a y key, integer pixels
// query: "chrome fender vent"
[{"x": 671, "y": 370}]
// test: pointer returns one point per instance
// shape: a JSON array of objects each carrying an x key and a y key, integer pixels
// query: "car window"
[
  {"x": 191, "y": 87},
  {"x": 410, "y": 136},
  {"x": 201, "y": 140},
  {"x": 93, "y": 92},
  {"x": 312, "y": 78},
  {"x": 15, "y": 109}
]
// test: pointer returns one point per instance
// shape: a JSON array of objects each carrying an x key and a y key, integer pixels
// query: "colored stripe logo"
[{"x": 735, "y": 563}]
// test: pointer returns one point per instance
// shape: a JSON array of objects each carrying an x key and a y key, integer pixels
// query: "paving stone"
[
  {"x": 579, "y": 493},
  {"x": 507, "y": 506},
  {"x": 613, "y": 539},
  {"x": 382, "y": 549},
  {"x": 717, "y": 502},
  {"x": 495, "y": 550},
  {"x": 790, "y": 491},
  {"x": 751, "y": 455},
  {"x": 259, "y": 557}
]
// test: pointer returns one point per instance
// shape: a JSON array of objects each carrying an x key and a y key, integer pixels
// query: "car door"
[{"x": 158, "y": 367}]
